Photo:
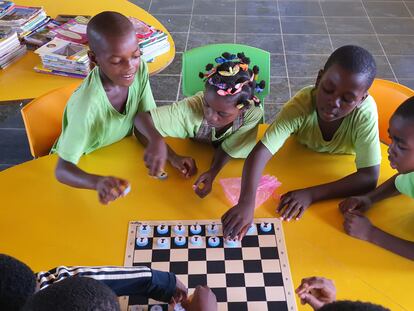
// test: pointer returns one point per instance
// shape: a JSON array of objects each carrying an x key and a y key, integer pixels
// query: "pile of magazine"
[
  {"x": 4, "y": 6},
  {"x": 10, "y": 47},
  {"x": 63, "y": 58},
  {"x": 23, "y": 19},
  {"x": 152, "y": 42}
]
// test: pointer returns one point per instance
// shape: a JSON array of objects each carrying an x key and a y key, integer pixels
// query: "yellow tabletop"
[
  {"x": 45, "y": 223},
  {"x": 19, "y": 80}
]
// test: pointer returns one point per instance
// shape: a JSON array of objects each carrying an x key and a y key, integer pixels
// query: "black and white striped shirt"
[{"x": 124, "y": 281}]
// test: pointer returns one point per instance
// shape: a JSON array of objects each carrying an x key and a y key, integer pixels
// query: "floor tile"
[
  {"x": 383, "y": 68},
  {"x": 407, "y": 82},
  {"x": 307, "y": 44},
  {"x": 398, "y": 45},
  {"x": 164, "y": 87},
  {"x": 266, "y": 24},
  {"x": 296, "y": 84},
  {"x": 403, "y": 66},
  {"x": 180, "y": 39},
  {"x": 277, "y": 65},
  {"x": 175, "y": 66},
  {"x": 410, "y": 6},
  {"x": 303, "y": 25},
  {"x": 345, "y": 25},
  {"x": 257, "y": 8},
  {"x": 177, "y": 23},
  {"x": 305, "y": 65},
  {"x": 369, "y": 42},
  {"x": 5, "y": 166},
  {"x": 199, "y": 39},
  {"x": 213, "y": 7},
  {"x": 14, "y": 146},
  {"x": 299, "y": 8},
  {"x": 343, "y": 8},
  {"x": 391, "y": 26},
  {"x": 270, "y": 112},
  {"x": 279, "y": 90},
  {"x": 386, "y": 9},
  {"x": 214, "y": 24},
  {"x": 10, "y": 115},
  {"x": 270, "y": 43},
  {"x": 143, "y": 4},
  {"x": 171, "y": 6}
]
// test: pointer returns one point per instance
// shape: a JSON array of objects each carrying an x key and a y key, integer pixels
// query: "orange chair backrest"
[
  {"x": 43, "y": 119},
  {"x": 388, "y": 95}
]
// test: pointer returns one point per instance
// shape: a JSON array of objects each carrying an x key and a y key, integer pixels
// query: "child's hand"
[
  {"x": 155, "y": 156},
  {"x": 204, "y": 184},
  {"x": 110, "y": 188},
  {"x": 180, "y": 293},
  {"x": 358, "y": 226},
  {"x": 185, "y": 165},
  {"x": 294, "y": 203},
  {"x": 360, "y": 203},
  {"x": 203, "y": 299},
  {"x": 237, "y": 220},
  {"x": 316, "y": 292}
]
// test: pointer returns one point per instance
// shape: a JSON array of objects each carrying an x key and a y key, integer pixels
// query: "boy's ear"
[
  {"x": 92, "y": 58},
  {"x": 363, "y": 98},
  {"x": 319, "y": 77}
]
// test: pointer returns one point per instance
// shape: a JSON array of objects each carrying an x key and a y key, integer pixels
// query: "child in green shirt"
[
  {"x": 225, "y": 114},
  {"x": 337, "y": 115},
  {"x": 102, "y": 110},
  {"x": 401, "y": 157}
]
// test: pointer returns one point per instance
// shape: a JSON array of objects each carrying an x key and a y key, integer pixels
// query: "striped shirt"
[{"x": 124, "y": 281}]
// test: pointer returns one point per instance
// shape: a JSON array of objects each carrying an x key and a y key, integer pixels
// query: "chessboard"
[{"x": 252, "y": 274}]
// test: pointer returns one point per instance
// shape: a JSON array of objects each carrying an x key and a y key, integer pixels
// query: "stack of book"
[
  {"x": 4, "y": 6},
  {"x": 10, "y": 47},
  {"x": 63, "y": 58},
  {"x": 23, "y": 19},
  {"x": 152, "y": 42}
]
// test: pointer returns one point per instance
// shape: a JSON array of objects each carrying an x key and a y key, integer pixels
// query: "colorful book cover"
[
  {"x": 73, "y": 31},
  {"x": 142, "y": 29},
  {"x": 64, "y": 50},
  {"x": 4, "y": 5},
  {"x": 43, "y": 34},
  {"x": 18, "y": 15}
]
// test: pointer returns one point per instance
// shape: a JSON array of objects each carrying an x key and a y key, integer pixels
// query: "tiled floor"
[{"x": 299, "y": 34}]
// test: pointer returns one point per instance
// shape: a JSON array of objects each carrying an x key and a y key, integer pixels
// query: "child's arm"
[
  {"x": 157, "y": 152},
  {"x": 109, "y": 188},
  {"x": 364, "y": 202},
  {"x": 124, "y": 281},
  {"x": 294, "y": 203},
  {"x": 240, "y": 216},
  {"x": 204, "y": 182},
  {"x": 358, "y": 226}
]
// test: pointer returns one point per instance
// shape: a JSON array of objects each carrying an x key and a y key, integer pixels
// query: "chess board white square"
[
  {"x": 179, "y": 255},
  {"x": 163, "y": 265},
  {"x": 267, "y": 240},
  {"x": 155, "y": 243},
  {"x": 235, "y": 294},
  {"x": 271, "y": 265},
  {"x": 197, "y": 267},
  {"x": 251, "y": 253},
  {"x": 234, "y": 266},
  {"x": 254, "y": 279},
  {"x": 275, "y": 293},
  {"x": 216, "y": 280},
  {"x": 183, "y": 278},
  {"x": 215, "y": 253},
  {"x": 202, "y": 245},
  {"x": 222, "y": 306},
  {"x": 143, "y": 255},
  {"x": 257, "y": 305}
]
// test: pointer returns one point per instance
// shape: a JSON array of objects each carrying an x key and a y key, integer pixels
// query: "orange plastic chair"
[
  {"x": 43, "y": 119},
  {"x": 388, "y": 95}
]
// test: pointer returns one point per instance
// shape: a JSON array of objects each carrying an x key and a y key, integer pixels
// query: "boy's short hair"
[
  {"x": 17, "y": 283},
  {"x": 406, "y": 109},
  {"x": 346, "y": 305},
  {"x": 354, "y": 59},
  {"x": 74, "y": 293},
  {"x": 107, "y": 24}
]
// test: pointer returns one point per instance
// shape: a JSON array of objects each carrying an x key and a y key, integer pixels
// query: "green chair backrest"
[{"x": 195, "y": 61}]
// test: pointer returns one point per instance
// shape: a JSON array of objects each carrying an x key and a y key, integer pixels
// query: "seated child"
[
  {"x": 102, "y": 110},
  {"x": 18, "y": 282},
  {"x": 401, "y": 157},
  {"x": 338, "y": 116},
  {"x": 225, "y": 115},
  {"x": 320, "y": 294},
  {"x": 79, "y": 293}
]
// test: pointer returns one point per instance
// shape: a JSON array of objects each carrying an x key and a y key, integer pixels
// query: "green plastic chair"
[{"x": 195, "y": 61}]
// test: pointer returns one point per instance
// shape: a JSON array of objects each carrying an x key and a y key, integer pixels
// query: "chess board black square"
[
  {"x": 269, "y": 253},
  {"x": 250, "y": 241},
  {"x": 195, "y": 254},
  {"x": 138, "y": 300},
  {"x": 221, "y": 294},
  {"x": 160, "y": 255},
  {"x": 196, "y": 279},
  {"x": 203, "y": 231},
  {"x": 251, "y": 266},
  {"x": 216, "y": 266},
  {"x": 256, "y": 294},
  {"x": 220, "y": 243},
  {"x": 238, "y": 306},
  {"x": 142, "y": 264},
  {"x": 273, "y": 279},
  {"x": 175, "y": 246},
  {"x": 260, "y": 232},
  {"x": 277, "y": 306},
  {"x": 148, "y": 246},
  {"x": 179, "y": 267},
  {"x": 235, "y": 280},
  {"x": 157, "y": 235},
  {"x": 233, "y": 254}
]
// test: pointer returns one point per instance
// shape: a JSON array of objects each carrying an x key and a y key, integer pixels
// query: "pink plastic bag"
[{"x": 267, "y": 185}]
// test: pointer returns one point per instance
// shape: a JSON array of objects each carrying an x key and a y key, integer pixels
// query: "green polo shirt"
[{"x": 405, "y": 184}]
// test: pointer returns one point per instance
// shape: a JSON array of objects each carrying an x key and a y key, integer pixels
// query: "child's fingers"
[
  {"x": 284, "y": 199},
  {"x": 294, "y": 210},
  {"x": 301, "y": 212}
]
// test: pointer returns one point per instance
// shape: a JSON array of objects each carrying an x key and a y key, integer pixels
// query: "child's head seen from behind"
[
  {"x": 401, "y": 131},
  {"x": 114, "y": 47},
  {"x": 229, "y": 89},
  {"x": 343, "y": 83}
]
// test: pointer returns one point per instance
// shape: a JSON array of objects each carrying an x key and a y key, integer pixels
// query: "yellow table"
[
  {"x": 46, "y": 224},
  {"x": 20, "y": 81}
]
